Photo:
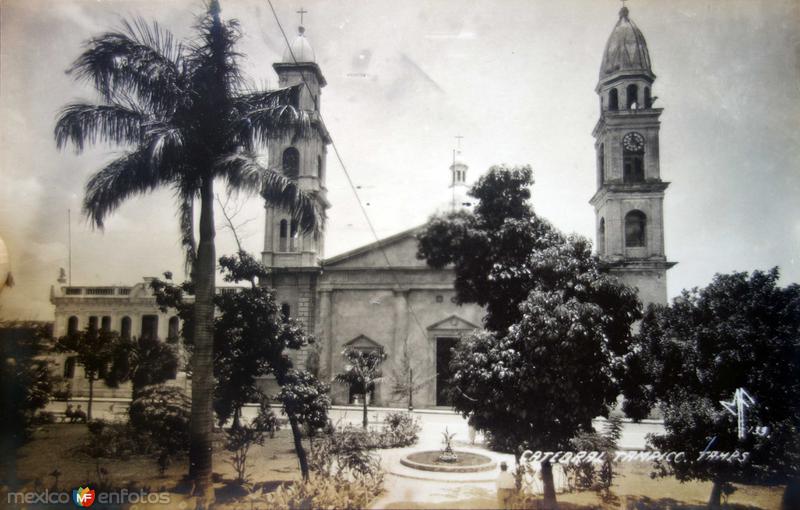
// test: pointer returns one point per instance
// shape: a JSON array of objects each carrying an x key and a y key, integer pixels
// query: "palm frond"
[
  {"x": 261, "y": 124},
  {"x": 243, "y": 172},
  {"x": 212, "y": 58},
  {"x": 165, "y": 147},
  {"x": 142, "y": 59},
  {"x": 125, "y": 177},
  {"x": 80, "y": 123}
]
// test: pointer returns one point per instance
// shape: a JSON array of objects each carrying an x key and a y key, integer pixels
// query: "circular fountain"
[{"x": 433, "y": 460}]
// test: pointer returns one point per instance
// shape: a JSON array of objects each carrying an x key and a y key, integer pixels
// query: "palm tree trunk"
[
  {"x": 714, "y": 500},
  {"x": 298, "y": 446},
  {"x": 200, "y": 450},
  {"x": 364, "y": 418},
  {"x": 791, "y": 495},
  {"x": 549, "y": 497},
  {"x": 91, "y": 397}
]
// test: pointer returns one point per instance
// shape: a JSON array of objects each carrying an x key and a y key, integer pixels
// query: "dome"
[
  {"x": 626, "y": 49},
  {"x": 301, "y": 48}
]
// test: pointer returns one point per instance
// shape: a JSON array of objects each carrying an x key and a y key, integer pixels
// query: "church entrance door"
[{"x": 444, "y": 354}]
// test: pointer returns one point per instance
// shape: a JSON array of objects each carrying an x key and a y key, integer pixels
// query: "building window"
[
  {"x": 291, "y": 163},
  {"x": 286, "y": 311},
  {"x": 648, "y": 100},
  {"x": 440, "y": 299},
  {"x": 601, "y": 237},
  {"x": 294, "y": 239},
  {"x": 125, "y": 327},
  {"x": 149, "y": 326},
  {"x": 93, "y": 323},
  {"x": 69, "y": 367},
  {"x": 105, "y": 323},
  {"x": 635, "y": 229},
  {"x": 72, "y": 325},
  {"x": 613, "y": 100},
  {"x": 320, "y": 170},
  {"x": 632, "y": 93},
  {"x": 284, "y": 236},
  {"x": 173, "y": 329}
]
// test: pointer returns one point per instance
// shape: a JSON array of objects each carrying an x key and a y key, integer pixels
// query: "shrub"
[
  {"x": 327, "y": 492},
  {"x": 239, "y": 439},
  {"x": 163, "y": 413},
  {"x": 115, "y": 440},
  {"x": 160, "y": 416},
  {"x": 402, "y": 429},
  {"x": 44, "y": 418}
]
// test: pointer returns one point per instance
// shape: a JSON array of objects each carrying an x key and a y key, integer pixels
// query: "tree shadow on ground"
[
  {"x": 232, "y": 491},
  {"x": 645, "y": 503}
]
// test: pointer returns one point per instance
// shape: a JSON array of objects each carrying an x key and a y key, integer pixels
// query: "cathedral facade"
[{"x": 380, "y": 296}]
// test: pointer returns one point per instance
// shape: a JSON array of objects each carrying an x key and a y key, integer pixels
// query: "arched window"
[
  {"x": 632, "y": 93},
  {"x": 93, "y": 323},
  {"x": 601, "y": 165},
  {"x": 320, "y": 170},
  {"x": 69, "y": 367},
  {"x": 149, "y": 326},
  {"x": 601, "y": 237},
  {"x": 105, "y": 323},
  {"x": 173, "y": 329},
  {"x": 286, "y": 311},
  {"x": 291, "y": 163},
  {"x": 613, "y": 99},
  {"x": 284, "y": 236},
  {"x": 294, "y": 238},
  {"x": 72, "y": 325},
  {"x": 125, "y": 327},
  {"x": 648, "y": 100},
  {"x": 635, "y": 229},
  {"x": 632, "y": 158}
]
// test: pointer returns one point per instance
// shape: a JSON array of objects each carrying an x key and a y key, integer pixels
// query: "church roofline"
[
  {"x": 449, "y": 320},
  {"x": 381, "y": 243}
]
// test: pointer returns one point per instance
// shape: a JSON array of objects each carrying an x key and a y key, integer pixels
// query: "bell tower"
[
  {"x": 301, "y": 159},
  {"x": 294, "y": 257},
  {"x": 629, "y": 200}
]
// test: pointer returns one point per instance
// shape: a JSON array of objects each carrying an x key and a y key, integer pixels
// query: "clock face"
[{"x": 633, "y": 142}]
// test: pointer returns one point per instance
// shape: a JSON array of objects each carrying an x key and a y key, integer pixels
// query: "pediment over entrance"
[
  {"x": 364, "y": 343},
  {"x": 453, "y": 323}
]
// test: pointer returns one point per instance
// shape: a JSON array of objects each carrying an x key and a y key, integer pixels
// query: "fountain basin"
[{"x": 468, "y": 462}]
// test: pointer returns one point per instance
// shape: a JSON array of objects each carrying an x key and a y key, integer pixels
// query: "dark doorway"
[{"x": 444, "y": 354}]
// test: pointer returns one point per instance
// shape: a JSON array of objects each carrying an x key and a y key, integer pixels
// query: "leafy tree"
[
  {"x": 26, "y": 386},
  {"x": 94, "y": 349},
  {"x": 362, "y": 371},
  {"x": 251, "y": 337},
  {"x": 305, "y": 401},
  {"x": 557, "y": 327},
  {"x": 144, "y": 361},
  {"x": 189, "y": 118},
  {"x": 741, "y": 331}
]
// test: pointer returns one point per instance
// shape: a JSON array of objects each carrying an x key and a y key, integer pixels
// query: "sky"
[{"x": 516, "y": 79}]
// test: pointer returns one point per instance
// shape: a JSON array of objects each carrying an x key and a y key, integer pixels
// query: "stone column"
[
  {"x": 324, "y": 333},
  {"x": 400, "y": 322}
]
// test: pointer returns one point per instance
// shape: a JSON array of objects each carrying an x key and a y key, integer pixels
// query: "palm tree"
[
  {"x": 188, "y": 119},
  {"x": 361, "y": 373}
]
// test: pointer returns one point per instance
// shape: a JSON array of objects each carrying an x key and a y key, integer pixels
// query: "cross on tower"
[
  {"x": 303, "y": 11},
  {"x": 458, "y": 142}
]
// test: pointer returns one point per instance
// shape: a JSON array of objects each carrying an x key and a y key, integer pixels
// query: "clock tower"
[{"x": 629, "y": 200}]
